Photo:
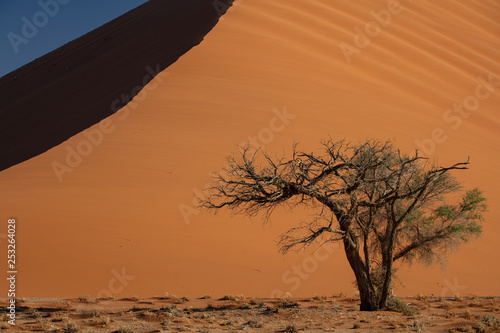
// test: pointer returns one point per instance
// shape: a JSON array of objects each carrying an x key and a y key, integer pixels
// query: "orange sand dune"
[
  {"x": 70, "y": 89},
  {"x": 110, "y": 222}
]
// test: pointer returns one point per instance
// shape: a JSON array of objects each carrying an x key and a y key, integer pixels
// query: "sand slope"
[
  {"x": 111, "y": 223},
  {"x": 70, "y": 89}
]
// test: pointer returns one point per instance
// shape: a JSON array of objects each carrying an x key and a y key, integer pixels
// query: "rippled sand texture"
[{"x": 113, "y": 224}]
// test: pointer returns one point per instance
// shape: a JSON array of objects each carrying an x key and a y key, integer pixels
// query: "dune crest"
[{"x": 70, "y": 89}]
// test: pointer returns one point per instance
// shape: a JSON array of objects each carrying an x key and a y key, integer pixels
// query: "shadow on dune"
[{"x": 74, "y": 87}]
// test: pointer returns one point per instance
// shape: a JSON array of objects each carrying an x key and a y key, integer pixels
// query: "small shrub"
[
  {"x": 173, "y": 298},
  {"x": 289, "y": 305},
  {"x": 231, "y": 298},
  {"x": 489, "y": 320},
  {"x": 45, "y": 324},
  {"x": 84, "y": 298},
  {"x": 417, "y": 326},
  {"x": 245, "y": 306},
  {"x": 481, "y": 327},
  {"x": 446, "y": 305},
  {"x": 21, "y": 301},
  {"x": 290, "y": 329},
  {"x": 458, "y": 298},
  {"x": 64, "y": 304},
  {"x": 465, "y": 328},
  {"x": 62, "y": 316},
  {"x": 36, "y": 314},
  {"x": 449, "y": 314},
  {"x": 207, "y": 296},
  {"x": 466, "y": 314},
  {"x": 72, "y": 328},
  {"x": 166, "y": 323},
  {"x": 105, "y": 321},
  {"x": 319, "y": 298},
  {"x": 396, "y": 304}
]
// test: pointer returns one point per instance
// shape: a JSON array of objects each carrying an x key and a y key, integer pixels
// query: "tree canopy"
[{"x": 384, "y": 206}]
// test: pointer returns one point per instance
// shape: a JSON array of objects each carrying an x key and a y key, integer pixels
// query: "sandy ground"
[
  {"x": 118, "y": 219},
  {"x": 235, "y": 313}
]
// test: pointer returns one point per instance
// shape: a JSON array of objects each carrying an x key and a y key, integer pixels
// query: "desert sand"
[
  {"x": 118, "y": 219},
  {"x": 237, "y": 313}
]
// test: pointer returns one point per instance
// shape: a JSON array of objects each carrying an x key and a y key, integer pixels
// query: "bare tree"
[{"x": 384, "y": 206}]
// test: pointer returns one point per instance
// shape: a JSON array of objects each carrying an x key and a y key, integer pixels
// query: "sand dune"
[
  {"x": 279, "y": 71},
  {"x": 70, "y": 89}
]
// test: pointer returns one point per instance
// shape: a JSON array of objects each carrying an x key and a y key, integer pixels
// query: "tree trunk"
[
  {"x": 365, "y": 287},
  {"x": 387, "y": 265}
]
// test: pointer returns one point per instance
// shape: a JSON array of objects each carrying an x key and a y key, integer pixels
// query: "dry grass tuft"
[
  {"x": 60, "y": 316},
  {"x": 64, "y": 304},
  {"x": 398, "y": 305},
  {"x": 174, "y": 299},
  {"x": 466, "y": 314},
  {"x": 490, "y": 320},
  {"x": 21, "y": 301},
  {"x": 45, "y": 324},
  {"x": 446, "y": 305},
  {"x": 319, "y": 298},
  {"x": 291, "y": 329},
  {"x": 231, "y": 298},
  {"x": 449, "y": 314},
  {"x": 245, "y": 306},
  {"x": 87, "y": 299},
  {"x": 72, "y": 327},
  {"x": 104, "y": 321}
]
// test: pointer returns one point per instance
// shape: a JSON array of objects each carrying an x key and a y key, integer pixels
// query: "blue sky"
[{"x": 51, "y": 24}]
